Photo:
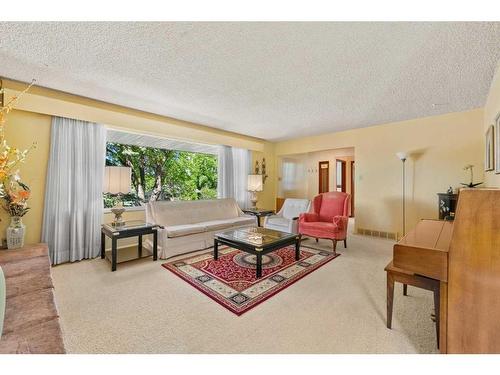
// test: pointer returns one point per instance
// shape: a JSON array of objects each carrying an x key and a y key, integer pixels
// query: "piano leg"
[
  {"x": 436, "y": 308},
  {"x": 405, "y": 289},
  {"x": 390, "y": 298}
]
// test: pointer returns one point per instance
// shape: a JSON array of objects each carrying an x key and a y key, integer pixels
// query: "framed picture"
[
  {"x": 497, "y": 143},
  {"x": 489, "y": 150}
]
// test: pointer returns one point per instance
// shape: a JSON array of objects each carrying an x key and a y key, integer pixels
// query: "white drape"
[
  {"x": 234, "y": 167},
  {"x": 73, "y": 195}
]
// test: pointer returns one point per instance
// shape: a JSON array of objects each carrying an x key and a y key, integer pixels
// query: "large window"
[{"x": 162, "y": 174}]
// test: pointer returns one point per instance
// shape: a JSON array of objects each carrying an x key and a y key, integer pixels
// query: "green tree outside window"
[{"x": 159, "y": 174}]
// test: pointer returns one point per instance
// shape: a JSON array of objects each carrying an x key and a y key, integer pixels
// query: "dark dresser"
[{"x": 447, "y": 205}]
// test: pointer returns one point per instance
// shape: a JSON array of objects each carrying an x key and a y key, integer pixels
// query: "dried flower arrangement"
[{"x": 14, "y": 194}]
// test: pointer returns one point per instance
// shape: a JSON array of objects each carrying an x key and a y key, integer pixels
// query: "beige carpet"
[{"x": 339, "y": 308}]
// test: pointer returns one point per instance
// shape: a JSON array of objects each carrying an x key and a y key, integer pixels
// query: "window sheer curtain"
[
  {"x": 234, "y": 167},
  {"x": 73, "y": 194}
]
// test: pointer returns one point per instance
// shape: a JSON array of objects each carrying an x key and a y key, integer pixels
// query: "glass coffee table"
[{"x": 258, "y": 241}]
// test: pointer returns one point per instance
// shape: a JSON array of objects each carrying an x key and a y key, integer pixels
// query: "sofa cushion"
[
  {"x": 27, "y": 276},
  {"x": 229, "y": 223},
  {"x": 42, "y": 338},
  {"x": 38, "y": 250},
  {"x": 31, "y": 322},
  {"x": 29, "y": 310},
  {"x": 184, "y": 230},
  {"x": 168, "y": 213}
]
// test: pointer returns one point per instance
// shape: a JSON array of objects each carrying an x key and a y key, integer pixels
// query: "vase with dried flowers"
[{"x": 14, "y": 194}]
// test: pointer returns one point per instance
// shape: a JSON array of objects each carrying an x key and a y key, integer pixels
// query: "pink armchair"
[{"x": 328, "y": 219}]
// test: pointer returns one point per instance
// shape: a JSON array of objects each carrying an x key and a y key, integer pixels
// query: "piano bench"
[{"x": 395, "y": 274}]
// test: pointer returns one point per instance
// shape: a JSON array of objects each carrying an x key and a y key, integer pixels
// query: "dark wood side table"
[
  {"x": 129, "y": 229},
  {"x": 259, "y": 212},
  {"x": 447, "y": 205}
]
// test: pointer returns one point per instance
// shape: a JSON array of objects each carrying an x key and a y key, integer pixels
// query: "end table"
[
  {"x": 259, "y": 212},
  {"x": 128, "y": 229}
]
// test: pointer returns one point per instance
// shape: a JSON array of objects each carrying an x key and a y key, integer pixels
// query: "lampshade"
[
  {"x": 402, "y": 155},
  {"x": 117, "y": 180},
  {"x": 255, "y": 182}
]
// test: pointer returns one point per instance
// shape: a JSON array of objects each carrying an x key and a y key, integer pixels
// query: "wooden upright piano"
[{"x": 460, "y": 262}]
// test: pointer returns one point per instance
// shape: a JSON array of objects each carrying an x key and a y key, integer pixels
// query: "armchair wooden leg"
[
  {"x": 334, "y": 246},
  {"x": 316, "y": 240},
  {"x": 405, "y": 289},
  {"x": 390, "y": 298},
  {"x": 345, "y": 243}
]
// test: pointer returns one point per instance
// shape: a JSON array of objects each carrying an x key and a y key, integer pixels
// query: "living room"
[{"x": 179, "y": 199}]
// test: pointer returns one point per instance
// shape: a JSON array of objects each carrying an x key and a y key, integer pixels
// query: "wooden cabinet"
[
  {"x": 474, "y": 274},
  {"x": 464, "y": 257}
]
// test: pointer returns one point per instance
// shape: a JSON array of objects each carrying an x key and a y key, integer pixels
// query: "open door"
[
  {"x": 340, "y": 181},
  {"x": 352, "y": 188},
  {"x": 324, "y": 172}
]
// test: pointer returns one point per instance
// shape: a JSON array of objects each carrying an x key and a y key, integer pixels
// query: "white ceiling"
[{"x": 269, "y": 80}]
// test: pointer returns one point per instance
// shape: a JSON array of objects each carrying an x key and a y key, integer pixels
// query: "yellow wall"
[
  {"x": 440, "y": 147},
  {"x": 307, "y": 185},
  {"x": 21, "y": 130},
  {"x": 31, "y": 121},
  {"x": 267, "y": 198},
  {"x": 491, "y": 111}
]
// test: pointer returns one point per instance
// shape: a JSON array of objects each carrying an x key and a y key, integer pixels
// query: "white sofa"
[
  {"x": 190, "y": 225},
  {"x": 286, "y": 219}
]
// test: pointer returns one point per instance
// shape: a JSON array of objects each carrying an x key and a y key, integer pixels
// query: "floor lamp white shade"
[{"x": 402, "y": 155}]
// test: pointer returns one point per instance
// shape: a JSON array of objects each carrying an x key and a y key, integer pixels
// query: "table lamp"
[
  {"x": 254, "y": 185},
  {"x": 117, "y": 182}
]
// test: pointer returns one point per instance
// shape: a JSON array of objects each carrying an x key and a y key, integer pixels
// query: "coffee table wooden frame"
[{"x": 258, "y": 250}]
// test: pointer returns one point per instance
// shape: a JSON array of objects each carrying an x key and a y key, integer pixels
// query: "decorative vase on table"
[{"x": 15, "y": 233}]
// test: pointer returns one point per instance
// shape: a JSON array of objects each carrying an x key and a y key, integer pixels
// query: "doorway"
[
  {"x": 324, "y": 177},
  {"x": 340, "y": 180},
  {"x": 352, "y": 188}
]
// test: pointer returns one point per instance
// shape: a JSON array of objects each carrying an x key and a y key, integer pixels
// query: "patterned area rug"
[{"x": 231, "y": 279}]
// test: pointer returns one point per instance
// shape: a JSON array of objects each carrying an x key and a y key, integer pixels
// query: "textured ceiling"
[{"x": 269, "y": 80}]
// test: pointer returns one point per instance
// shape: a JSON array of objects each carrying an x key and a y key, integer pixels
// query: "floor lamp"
[{"x": 403, "y": 156}]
